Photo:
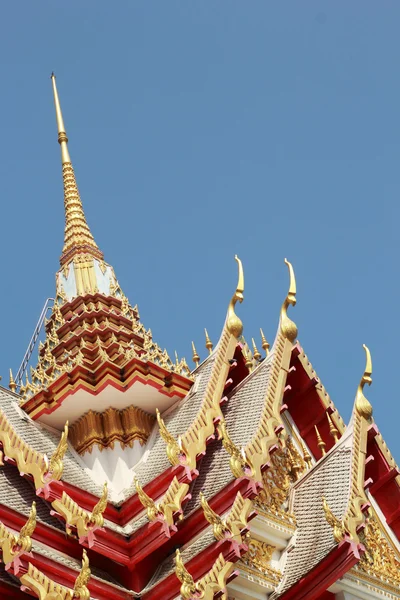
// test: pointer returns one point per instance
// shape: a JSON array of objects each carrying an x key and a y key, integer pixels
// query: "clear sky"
[{"x": 203, "y": 129}]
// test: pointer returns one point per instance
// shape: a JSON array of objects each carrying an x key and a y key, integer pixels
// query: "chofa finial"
[
  {"x": 288, "y": 328},
  {"x": 363, "y": 406},
  {"x": 234, "y": 324}
]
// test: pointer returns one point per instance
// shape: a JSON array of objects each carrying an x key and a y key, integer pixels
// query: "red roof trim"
[{"x": 338, "y": 562}]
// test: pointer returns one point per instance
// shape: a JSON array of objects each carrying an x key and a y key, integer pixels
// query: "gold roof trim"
[
  {"x": 78, "y": 237},
  {"x": 44, "y": 587},
  {"x": 77, "y": 517},
  {"x": 193, "y": 442},
  {"x": 213, "y": 582},
  {"x": 232, "y": 525},
  {"x": 13, "y": 545},
  {"x": 257, "y": 450},
  {"x": 29, "y": 461},
  {"x": 358, "y": 503},
  {"x": 170, "y": 504}
]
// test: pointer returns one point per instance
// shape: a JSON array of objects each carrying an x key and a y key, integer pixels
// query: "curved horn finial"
[
  {"x": 363, "y": 406},
  {"x": 288, "y": 328},
  {"x": 233, "y": 323}
]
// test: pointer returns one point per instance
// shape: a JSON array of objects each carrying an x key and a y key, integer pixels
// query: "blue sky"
[{"x": 203, "y": 129}]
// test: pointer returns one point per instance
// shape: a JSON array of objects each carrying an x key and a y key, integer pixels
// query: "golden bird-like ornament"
[
  {"x": 363, "y": 405},
  {"x": 233, "y": 323},
  {"x": 288, "y": 327}
]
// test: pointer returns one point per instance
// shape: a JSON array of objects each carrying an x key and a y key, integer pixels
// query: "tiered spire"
[{"x": 78, "y": 237}]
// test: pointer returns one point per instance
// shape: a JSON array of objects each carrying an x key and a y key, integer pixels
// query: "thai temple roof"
[{"x": 126, "y": 474}]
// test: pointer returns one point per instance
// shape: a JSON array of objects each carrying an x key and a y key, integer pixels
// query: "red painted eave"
[{"x": 336, "y": 564}]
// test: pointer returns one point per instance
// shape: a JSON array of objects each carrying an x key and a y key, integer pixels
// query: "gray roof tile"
[{"x": 330, "y": 477}]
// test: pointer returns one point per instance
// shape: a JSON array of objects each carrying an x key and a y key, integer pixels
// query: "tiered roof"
[{"x": 248, "y": 481}]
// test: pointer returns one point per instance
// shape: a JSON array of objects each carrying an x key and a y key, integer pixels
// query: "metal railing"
[{"x": 32, "y": 343}]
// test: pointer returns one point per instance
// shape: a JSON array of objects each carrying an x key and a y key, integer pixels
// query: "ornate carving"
[
  {"x": 43, "y": 587},
  {"x": 12, "y": 546},
  {"x": 379, "y": 560},
  {"x": 28, "y": 460},
  {"x": 170, "y": 504},
  {"x": 56, "y": 464},
  {"x": 286, "y": 466},
  {"x": 113, "y": 425},
  {"x": 239, "y": 463},
  {"x": 77, "y": 517},
  {"x": 80, "y": 588},
  {"x": 362, "y": 414},
  {"x": 235, "y": 521},
  {"x": 339, "y": 528},
  {"x": 258, "y": 557},
  {"x": 214, "y": 582}
]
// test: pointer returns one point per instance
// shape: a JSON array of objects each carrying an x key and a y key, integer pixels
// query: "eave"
[
  {"x": 338, "y": 562},
  {"x": 308, "y": 403},
  {"x": 106, "y": 374},
  {"x": 198, "y": 566}
]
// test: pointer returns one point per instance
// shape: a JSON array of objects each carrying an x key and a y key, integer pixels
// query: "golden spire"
[
  {"x": 256, "y": 353},
  {"x": 288, "y": 328},
  {"x": 12, "y": 385},
  {"x": 247, "y": 355},
  {"x": 306, "y": 454},
  {"x": 363, "y": 406},
  {"x": 264, "y": 343},
  {"x": 233, "y": 323},
  {"x": 320, "y": 441},
  {"x": 209, "y": 344},
  {"x": 77, "y": 237},
  {"x": 195, "y": 356},
  {"x": 332, "y": 429}
]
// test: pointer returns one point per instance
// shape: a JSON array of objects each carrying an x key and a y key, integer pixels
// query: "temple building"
[{"x": 126, "y": 473}]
